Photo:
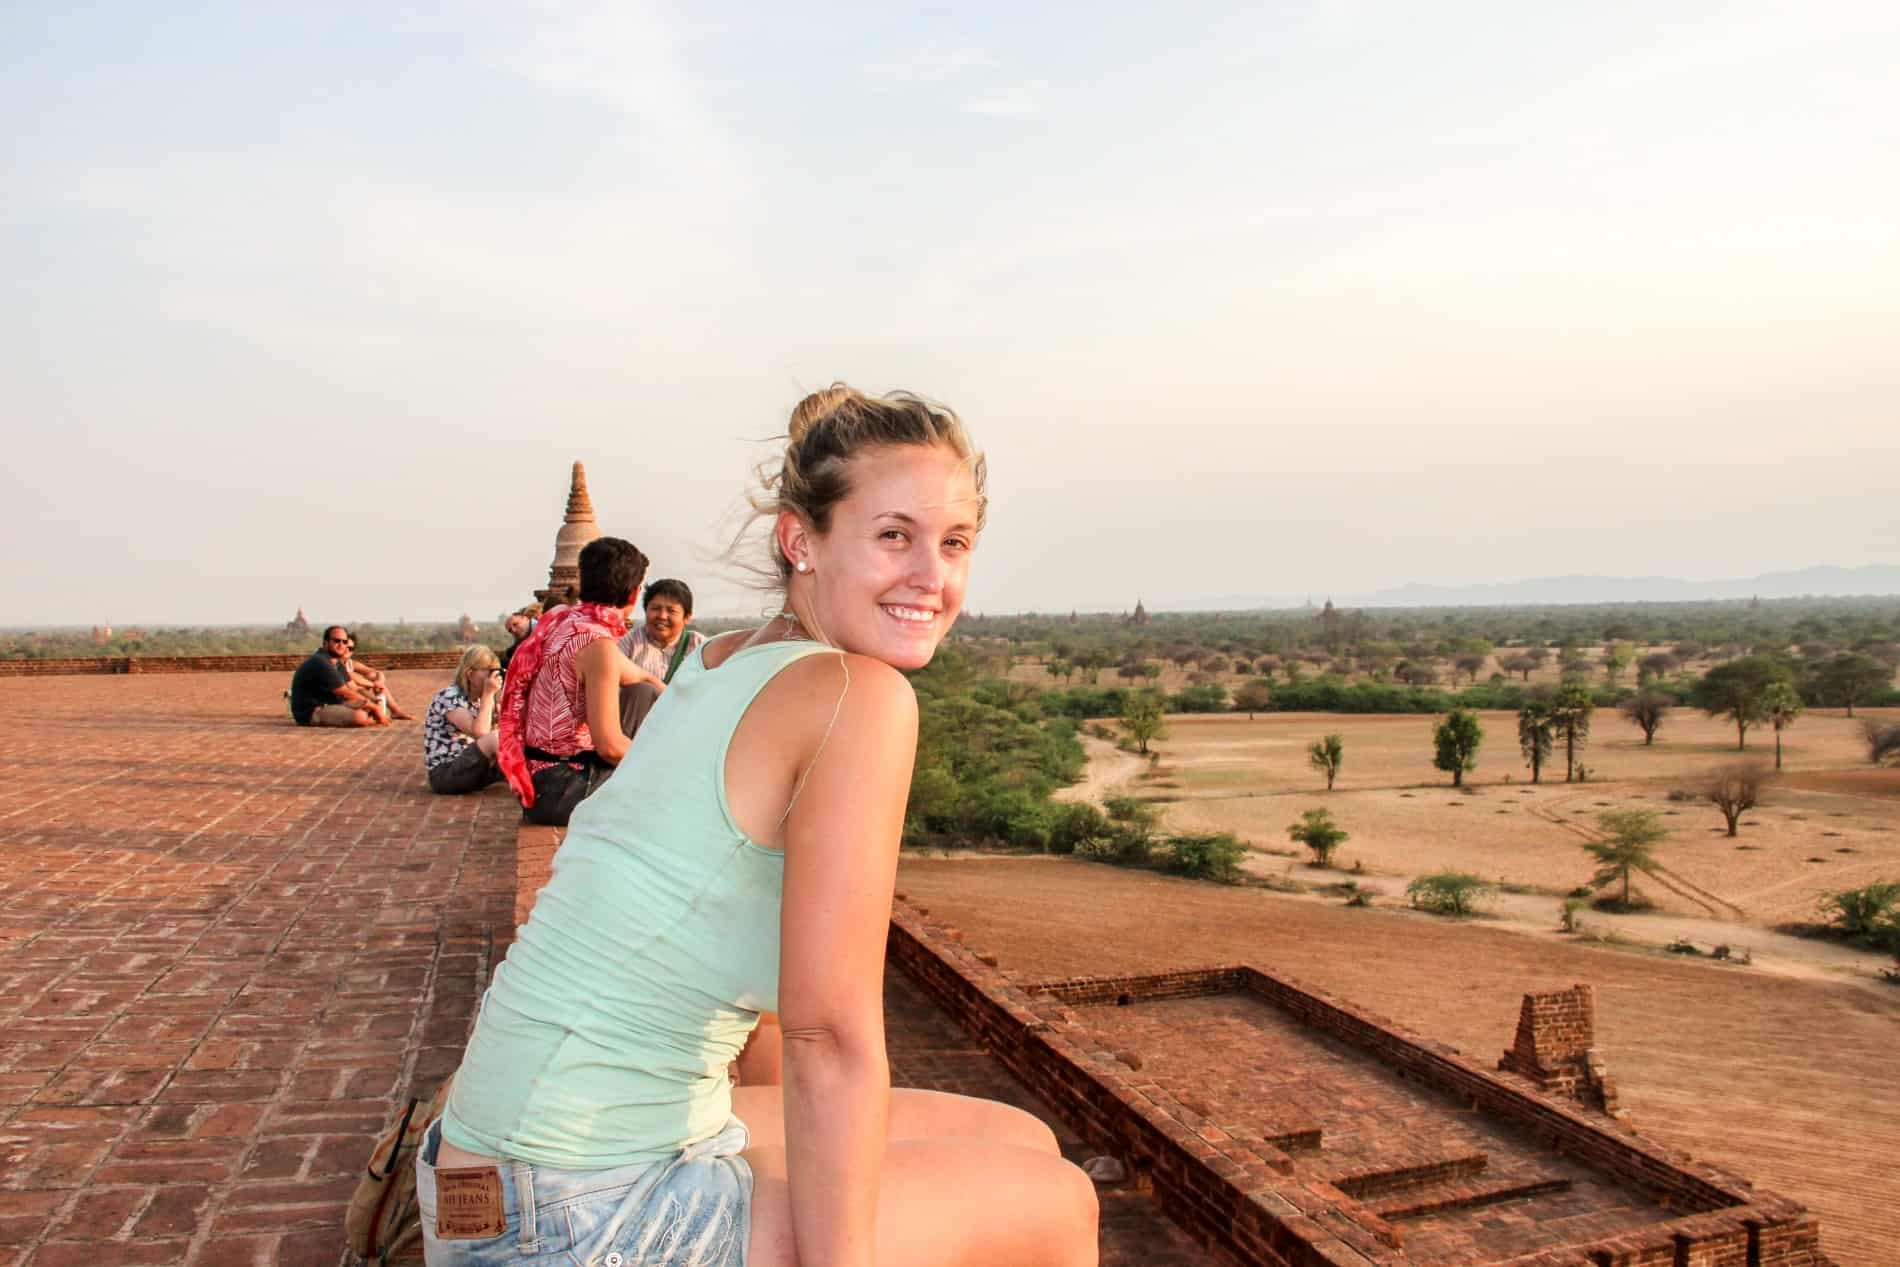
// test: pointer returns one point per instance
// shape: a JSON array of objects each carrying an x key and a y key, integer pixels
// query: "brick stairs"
[{"x": 1440, "y": 1186}]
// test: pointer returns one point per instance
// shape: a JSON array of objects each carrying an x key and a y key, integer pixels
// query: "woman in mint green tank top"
[{"x": 741, "y": 861}]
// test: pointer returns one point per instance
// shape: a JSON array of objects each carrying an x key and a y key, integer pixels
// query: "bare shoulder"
[
  {"x": 715, "y": 649},
  {"x": 867, "y": 683},
  {"x": 599, "y": 654}
]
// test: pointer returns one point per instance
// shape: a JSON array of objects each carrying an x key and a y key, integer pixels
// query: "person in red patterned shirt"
[{"x": 561, "y": 717}]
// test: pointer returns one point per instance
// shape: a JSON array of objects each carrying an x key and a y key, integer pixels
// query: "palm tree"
[
  {"x": 1780, "y": 705},
  {"x": 1633, "y": 835},
  {"x": 1535, "y": 735},
  {"x": 1326, "y": 756}
]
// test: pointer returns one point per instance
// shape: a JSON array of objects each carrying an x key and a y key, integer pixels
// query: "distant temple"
[
  {"x": 466, "y": 631},
  {"x": 577, "y": 529},
  {"x": 1141, "y": 614},
  {"x": 299, "y": 625}
]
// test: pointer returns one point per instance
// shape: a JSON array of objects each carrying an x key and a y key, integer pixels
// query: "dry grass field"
[
  {"x": 1830, "y": 822},
  {"x": 1787, "y": 1082}
]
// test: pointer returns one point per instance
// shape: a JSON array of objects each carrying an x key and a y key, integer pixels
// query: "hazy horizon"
[{"x": 316, "y": 306}]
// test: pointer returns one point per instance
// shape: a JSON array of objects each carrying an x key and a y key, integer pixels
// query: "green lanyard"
[{"x": 679, "y": 655}]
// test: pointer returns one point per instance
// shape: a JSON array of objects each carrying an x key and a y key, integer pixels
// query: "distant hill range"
[{"x": 1814, "y": 582}]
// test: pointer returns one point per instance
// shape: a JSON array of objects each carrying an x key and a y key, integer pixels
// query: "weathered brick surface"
[
  {"x": 1277, "y": 1123},
  {"x": 227, "y": 945}
]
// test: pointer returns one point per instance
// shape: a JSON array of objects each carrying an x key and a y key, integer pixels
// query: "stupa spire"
[{"x": 580, "y": 507}]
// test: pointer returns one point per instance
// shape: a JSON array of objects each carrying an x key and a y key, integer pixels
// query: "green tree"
[
  {"x": 1570, "y": 709},
  {"x": 1535, "y": 735},
  {"x": 1646, "y": 709},
  {"x": 1327, "y": 755},
  {"x": 1252, "y": 697},
  {"x": 1616, "y": 658},
  {"x": 1736, "y": 690},
  {"x": 1851, "y": 677},
  {"x": 1631, "y": 837},
  {"x": 1780, "y": 704},
  {"x": 1455, "y": 742},
  {"x": 1318, "y": 832},
  {"x": 1144, "y": 717},
  {"x": 1519, "y": 663}
]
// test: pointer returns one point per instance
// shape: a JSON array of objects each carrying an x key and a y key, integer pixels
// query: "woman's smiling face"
[{"x": 887, "y": 579}]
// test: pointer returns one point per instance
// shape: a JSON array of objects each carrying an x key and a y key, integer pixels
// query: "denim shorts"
[{"x": 692, "y": 1211}]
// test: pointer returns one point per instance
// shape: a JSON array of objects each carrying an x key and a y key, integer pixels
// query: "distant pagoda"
[{"x": 577, "y": 529}]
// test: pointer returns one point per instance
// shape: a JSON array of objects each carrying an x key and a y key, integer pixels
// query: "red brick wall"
[{"x": 217, "y": 664}]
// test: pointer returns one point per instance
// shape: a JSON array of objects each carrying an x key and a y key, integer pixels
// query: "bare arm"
[
  {"x": 841, "y": 843},
  {"x": 601, "y": 667},
  {"x": 479, "y": 720}
]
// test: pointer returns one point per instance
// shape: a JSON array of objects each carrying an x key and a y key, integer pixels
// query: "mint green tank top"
[{"x": 605, "y": 1037}]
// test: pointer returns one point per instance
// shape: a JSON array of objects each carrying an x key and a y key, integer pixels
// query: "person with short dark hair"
[
  {"x": 565, "y": 715},
  {"x": 322, "y": 692},
  {"x": 659, "y": 645}
]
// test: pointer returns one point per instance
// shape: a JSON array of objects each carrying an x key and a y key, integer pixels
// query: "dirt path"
[
  {"x": 1110, "y": 771},
  {"x": 1536, "y": 915}
]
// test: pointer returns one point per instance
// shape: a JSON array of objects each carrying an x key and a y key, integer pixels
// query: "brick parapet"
[
  {"x": 1241, "y": 1198},
  {"x": 274, "y": 663}
]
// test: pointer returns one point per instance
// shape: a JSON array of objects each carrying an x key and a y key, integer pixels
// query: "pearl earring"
[{"x": 802, "y": 566}]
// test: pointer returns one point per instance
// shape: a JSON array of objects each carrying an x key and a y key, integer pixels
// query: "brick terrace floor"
[{"x": 227, "y": 945}]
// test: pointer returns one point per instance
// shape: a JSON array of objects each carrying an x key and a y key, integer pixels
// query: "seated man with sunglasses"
[{"x": 322, "y": 692}]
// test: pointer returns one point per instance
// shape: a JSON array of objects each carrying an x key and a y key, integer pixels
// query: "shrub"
[
  {"x": 1618, "y": 904},
  {"x": 1568, "y": 915},
  {"x": 1125, "y": 845},
  {"x": 1866, "y": 914},
  {"x": 1318, "y": 832},
  {"x": 1073, "y": 825},
  {"x": 1213, "y": 856},
  {"x": 1011, "y": 816},
  {"x": 1208, "y": 697},
  {"x": 1448, "y": 892},
  {"x": 1126, "y": 809}
]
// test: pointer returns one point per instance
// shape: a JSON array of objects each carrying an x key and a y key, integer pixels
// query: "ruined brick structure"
[{"x": 1556, "y": 1049}]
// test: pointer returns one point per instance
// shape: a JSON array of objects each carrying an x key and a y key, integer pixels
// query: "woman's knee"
[{"x": 1025, "y": 1129}]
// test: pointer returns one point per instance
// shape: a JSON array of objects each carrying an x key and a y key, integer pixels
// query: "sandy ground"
[
  {"x": 1787, "y": 1082},
  {"x": 1830, "y": 823}
]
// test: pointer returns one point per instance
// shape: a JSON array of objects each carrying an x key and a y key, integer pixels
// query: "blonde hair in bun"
[{"x": 827, "y": 430}]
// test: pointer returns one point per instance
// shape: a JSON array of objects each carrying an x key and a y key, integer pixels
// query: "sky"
[{"x": 315, "y": 305}]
